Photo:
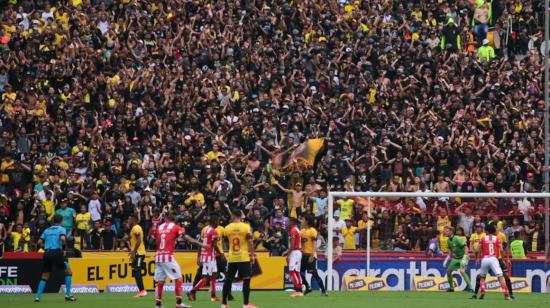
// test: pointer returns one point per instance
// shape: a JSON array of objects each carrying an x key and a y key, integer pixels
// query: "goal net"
[{"x": 405, "y": 222}]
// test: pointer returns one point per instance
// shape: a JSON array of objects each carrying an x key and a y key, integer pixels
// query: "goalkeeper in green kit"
[{"x": 458, "y": 257}]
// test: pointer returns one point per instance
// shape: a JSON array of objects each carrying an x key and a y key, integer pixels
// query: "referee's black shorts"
[
  {"x": 243, "y": 268},
  {"x": 139, "y": 263},
  {"x": 53, "y": 259},
  {"x": 307, "y": 266}
]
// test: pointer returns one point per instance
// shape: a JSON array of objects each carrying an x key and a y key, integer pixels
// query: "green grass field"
[{"x": 282, "y": 299}]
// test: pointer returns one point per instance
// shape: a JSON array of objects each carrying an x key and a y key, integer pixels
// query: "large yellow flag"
[{"x": 304, "y": 155}]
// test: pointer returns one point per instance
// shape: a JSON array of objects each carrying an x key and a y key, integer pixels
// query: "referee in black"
[{"x": 54, "y": 241}]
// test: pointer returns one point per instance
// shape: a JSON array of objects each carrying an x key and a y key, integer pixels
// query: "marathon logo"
[
  {"x": 81, "y": 289},
  {"x": 376, "y": 285},
  {"x": 443, "y": 286},
  {"x": 519, "y": 285},
  {"x": 425, "y": 284},
  {"x": 357, "y": 284},
  {"x": 121, "y": 288},
  {"x": 15, "y": 289}
]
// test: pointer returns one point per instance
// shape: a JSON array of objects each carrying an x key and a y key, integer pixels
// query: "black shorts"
[
  {"x": 307, "y": 266},
  {"x": 53, "y": 259},
  {"x": 139, "y": 263},
  {"x": 503, "y": 266},
  {"x": 221, "y": 263},
  {"x": 243, "y": 268}
]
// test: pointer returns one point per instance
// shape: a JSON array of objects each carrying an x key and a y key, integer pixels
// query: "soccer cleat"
[
  {"x": 230, "y": 297},
  {"x": 224, "y": 306},
  {"x": 140, "y": 294},
  {"x": 37, "y": 300},
  {"x": 70, "y": 298},
  {"x": 191, "y": 296},
  {"x": 215, "y": 299},
  {"x": 450, "y": 290},
  {"x": 324, "y": 294},
  {"x": 182, "y": 305},
  {"x": 297, "y": 294},
  {"x": 481, "y": 294},
  {"x": 512, "y": 297},
  {"x": 474, "y": 296},
  {"x": 249, "y": 306},
  {"x": 308, "y": 290}
]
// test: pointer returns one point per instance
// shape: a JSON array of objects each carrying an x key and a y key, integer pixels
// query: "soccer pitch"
[{"x": 267, "y": 299}]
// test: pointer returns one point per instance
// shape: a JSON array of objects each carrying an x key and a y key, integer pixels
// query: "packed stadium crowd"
[{"x": 113, "y": 108}]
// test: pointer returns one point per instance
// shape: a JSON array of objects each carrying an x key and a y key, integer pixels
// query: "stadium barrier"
[
  {"x": 399, "y": 274},
  {"x": 101, "y": 269},
  {"x": 114, "y": 268}
]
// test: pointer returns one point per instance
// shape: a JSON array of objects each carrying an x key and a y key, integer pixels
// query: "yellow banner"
[
  {"x": 428, "y": 283},
  {"x": 105, "y": 268},
  {"x": 354, "y": 283}
]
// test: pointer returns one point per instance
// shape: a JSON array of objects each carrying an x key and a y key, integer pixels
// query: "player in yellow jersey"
[
  {"x": 137, "y": 253},
  {"x": 239, "y": 257},
  {"x": 309, "y": 255},
  {"x": 475, "y": 239}
]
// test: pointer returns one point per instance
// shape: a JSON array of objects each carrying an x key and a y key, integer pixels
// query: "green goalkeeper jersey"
[{"x": 456, "y": 247}]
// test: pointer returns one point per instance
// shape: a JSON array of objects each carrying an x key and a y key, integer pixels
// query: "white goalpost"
[{"x": 337, "y": 194}]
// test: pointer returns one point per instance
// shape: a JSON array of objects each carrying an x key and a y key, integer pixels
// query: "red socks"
[
  {"x": 213, "y": 286},
  {"x": 178, "y": 288},
  {"x": 296, "y": 280},
  {"x": 200, "y": 284},
  {"x": 160, "y": 288}
]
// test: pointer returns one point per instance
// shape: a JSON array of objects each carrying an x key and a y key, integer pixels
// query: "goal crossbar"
[{"x": 336, "y": 194}]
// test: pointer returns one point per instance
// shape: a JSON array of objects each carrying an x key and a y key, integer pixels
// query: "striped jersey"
[
  {"x": 166, "y": 235},
  {"x": 208, "y": 251}
]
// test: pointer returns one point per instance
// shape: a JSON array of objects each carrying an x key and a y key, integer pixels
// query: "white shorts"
[
  {"x": 294, "y": 261},
  {"x": 490, "y": 264},
  {"x": 167, "y": 270},
  {"x": 210, "y": 267}
]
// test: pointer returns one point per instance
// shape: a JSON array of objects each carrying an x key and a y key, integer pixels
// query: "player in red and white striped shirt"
[
  {"x": 294, "y": 256},
  {"x": 165, "y": 263},
  {"x": 491, "y": 249},
  {"x": 207, "y": 258}
]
